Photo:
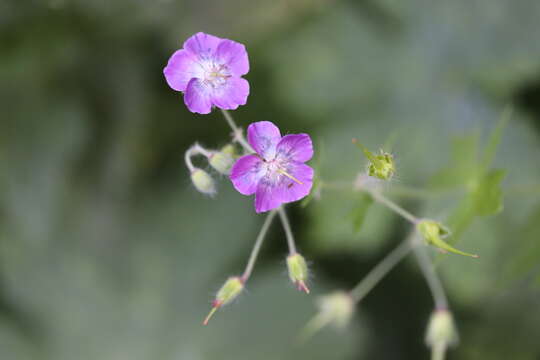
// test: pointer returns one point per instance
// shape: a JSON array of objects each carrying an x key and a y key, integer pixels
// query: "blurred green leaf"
[
  {"x": 463, "y": 165},
  {"x": 488, "y": 196},
  {"x": 359, "y": 212}
]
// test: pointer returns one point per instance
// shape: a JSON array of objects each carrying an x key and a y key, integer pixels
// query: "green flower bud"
[
  {"x": 298, "y": 271},
  {"x": 441, "y": 331},
  {"x": 381, "y": 166},
  {"x": 221, "y": 162},
  {"x": 230, "y": 150},
  {"x": 433, "y": 234},
  {"x": 203, "y": 181},
  {"x": 335, "y": 309},
  {"x": 228, "y": 292}
]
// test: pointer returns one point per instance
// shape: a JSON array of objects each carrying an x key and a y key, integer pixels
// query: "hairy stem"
[
  {"x": 438, "y": 351},
  {"x": 382, "y": 268},
  {"x": 195, "y": 149},
  {"x": 288, "y": 231},
  {"x": 238, "y": 134},
  {"x": 257, "y": 247}
]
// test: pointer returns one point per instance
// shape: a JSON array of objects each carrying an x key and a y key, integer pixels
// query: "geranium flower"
[
  {"x": 276, "y": 174},
  {"x": 208, "y": 71}
]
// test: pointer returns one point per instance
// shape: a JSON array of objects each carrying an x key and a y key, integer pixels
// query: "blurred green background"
[{"x": 108, "y": 252}]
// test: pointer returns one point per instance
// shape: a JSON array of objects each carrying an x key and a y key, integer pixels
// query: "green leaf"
[
  {"x": 495, "y": 138},
  {"x": 488, "y": 194},
  {"x": 360, "y": 210},
  {"x": 463, "y": 165}
]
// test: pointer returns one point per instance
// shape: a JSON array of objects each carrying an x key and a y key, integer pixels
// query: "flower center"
[
  {"x": 276, "y": 168},
  {"x": 216, "y": 75}
]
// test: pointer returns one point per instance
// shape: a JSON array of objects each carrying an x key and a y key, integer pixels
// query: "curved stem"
[
  {"x": 288, "y": 231},
  {"x": 382, "y": 268},
  {"x": 257, "y": 247},
  {"x": 433, "y": 281},
  {"x": 187, "y": 158}
]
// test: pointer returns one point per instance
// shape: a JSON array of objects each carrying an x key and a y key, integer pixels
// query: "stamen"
[{"x": 283, "y": 172}]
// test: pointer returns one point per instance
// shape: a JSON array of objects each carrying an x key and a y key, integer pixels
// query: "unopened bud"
[
  {"x": 441, "y": 330},
  {"x": 381, "y": 166},
  {"x": 221, "y": 161},
  {"x": 433, "y": 234},
  {"x": 230, "y": 150},
  {"x": 335, "y": 309},
  {"x": 298, "y": 271},
  {"x": 203, "y": 181},
  {"x": 228, "y": 292}
]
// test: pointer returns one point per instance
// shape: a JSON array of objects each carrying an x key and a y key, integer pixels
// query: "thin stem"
[
  {"x": 187, "y": 158},
  {"x": 379, "y": 271},
  {"x": 438, "y": 351},
  {"x": 380, "y": 198},
  {"x": 195, "y": 149},
  {"x": 238, "y": 135},
  {"x": 257, "y": 246},
  {"x": 434, "y": 283},
  {"x": 288, "y": 231}
]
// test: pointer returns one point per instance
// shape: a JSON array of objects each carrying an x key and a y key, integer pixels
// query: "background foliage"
[{"x": 107, "y": 252}]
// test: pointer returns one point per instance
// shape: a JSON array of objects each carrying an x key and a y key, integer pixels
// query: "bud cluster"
[{"x": 221, "y": 161}]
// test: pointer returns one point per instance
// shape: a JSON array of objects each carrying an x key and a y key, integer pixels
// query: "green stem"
[
  {"x": 238, "y": 134},
  {"x": 288, "y": 231},
  {"x": 257, "y": 247},
  {"x": 379, "y": 271},
  {"x": 433, "y": 281},
  {"x": 381, "y": 199}
]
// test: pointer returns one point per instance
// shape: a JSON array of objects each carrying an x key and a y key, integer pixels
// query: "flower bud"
[
  {"x": 203, "y": 181},
  {"x": 433, "y": 234},
  {"x": 221, "y": 162},
  {"x": 381, "y": 166},
  {"x": 441, "y": 331},
  {"x": 298, "y": 271},
  {"x": 228, "y": 292},
  {"x": 230, "y": 150},
  {"x": 335, "y": 309}
]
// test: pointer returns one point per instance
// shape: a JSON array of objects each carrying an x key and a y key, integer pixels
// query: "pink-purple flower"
[
  {"x": 276, "y": 174},
  {"x": 208, "y": 71}
]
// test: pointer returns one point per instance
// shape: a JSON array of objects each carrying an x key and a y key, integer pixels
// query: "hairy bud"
[
  {"x": 433, "y": 234},
  {"x": 441, "y": 331},
  {"x": 221, "y": 162},
  {"x": 227, "y": 293},
  {"x": 381, "y": 166},
  {"x": 203, "y": 181},
  {"x": 335, "y": 309},
  {"x": 298, "y": 271}
]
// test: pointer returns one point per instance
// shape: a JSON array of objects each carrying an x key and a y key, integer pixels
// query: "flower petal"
[
  {"x": 203, "y": 45},
  {"x": 234, "y": 55},
  {"x": 198, "y": 97},
  {"x": 265, "y": 197},
  {"x": 264, "y": 136},
  {"x": 290, "y": 190},
  {"x": 246, "y": 173},
  {"x": 270, "y": 195},
  {"x": 232, "y": 94},
  {"x": 181, "y": 68},
  {"x": 295, "y": 147}
]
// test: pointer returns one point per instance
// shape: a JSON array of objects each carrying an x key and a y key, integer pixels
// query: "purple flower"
[
  {"x": 208, "y": 71},
  {"x": 276, "y": 174}
]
